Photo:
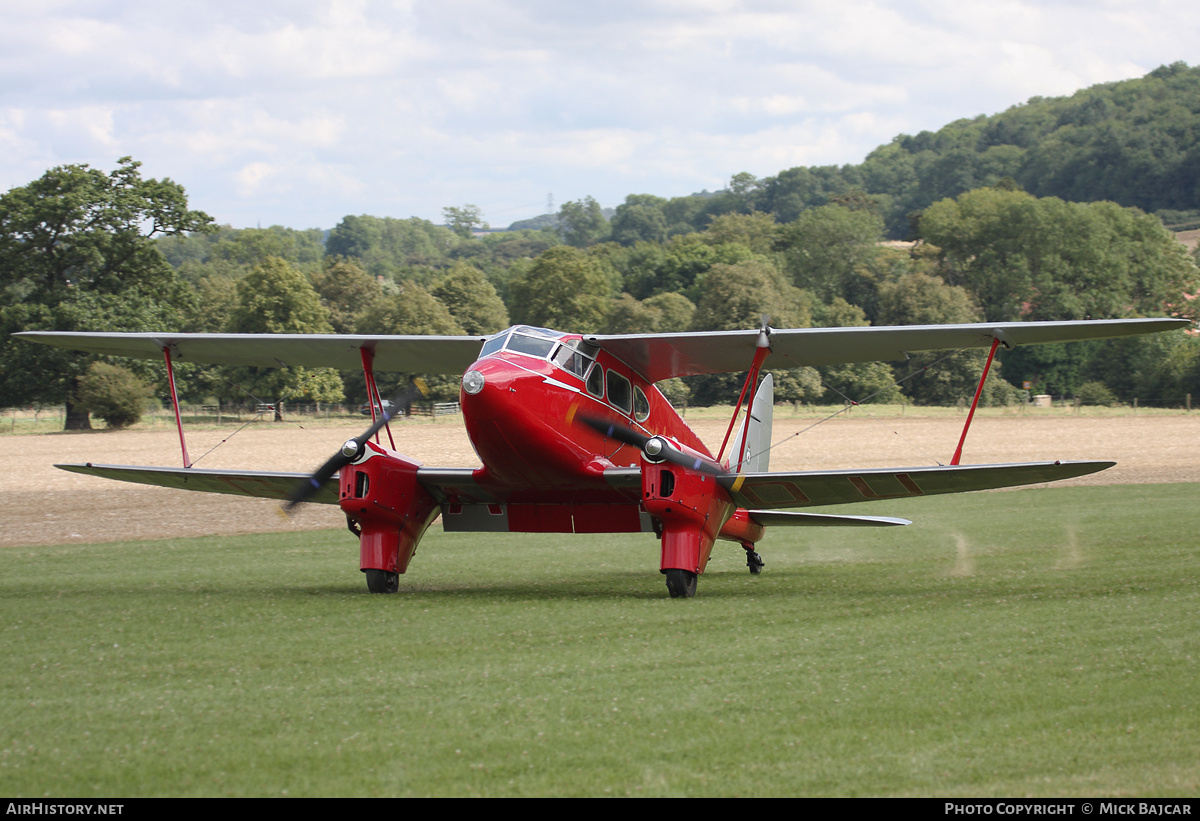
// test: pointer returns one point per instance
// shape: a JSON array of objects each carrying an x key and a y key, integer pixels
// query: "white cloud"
[{"x": 305, "y": 110}]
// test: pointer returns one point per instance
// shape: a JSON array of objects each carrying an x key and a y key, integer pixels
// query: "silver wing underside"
[
  {"x": 776, "y": 491},
  {"x": 655, "y": 356},
  {"x": 760, "y": 493},
  {"x": 263, "y": 484},
  {"x": 408, "y": 354},
  {"x": 661, "y": 356}
]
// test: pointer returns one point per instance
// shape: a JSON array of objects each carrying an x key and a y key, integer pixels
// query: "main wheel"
[
  {"x": 381, "y": 581},
  {"x": 681, "y": 584},
  {"x": 754, "y": 562}
]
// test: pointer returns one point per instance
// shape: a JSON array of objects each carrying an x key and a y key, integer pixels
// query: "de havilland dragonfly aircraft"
[{"x": 574, "y": 437}]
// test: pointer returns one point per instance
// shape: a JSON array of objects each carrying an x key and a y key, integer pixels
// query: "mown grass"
[{"x": 1035, "y": 642}]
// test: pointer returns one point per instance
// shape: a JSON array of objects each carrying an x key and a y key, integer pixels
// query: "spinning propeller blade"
[
  {"x": 622, "y": 434},
  {"x": 353, "y": 447},
  {"x": 655, "y": 448}
]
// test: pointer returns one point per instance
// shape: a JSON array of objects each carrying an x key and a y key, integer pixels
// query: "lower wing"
[
  {"x": 264, "y": 484},
  {"x": 774, "y": 491},
  {"x": 774, "y": 518},
  {"x": 761, "y": 494}
]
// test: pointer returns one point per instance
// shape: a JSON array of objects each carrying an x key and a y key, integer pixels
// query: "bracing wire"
[
  {"x": 292, "y": 391},
  {"x": 850, "y": 403}
]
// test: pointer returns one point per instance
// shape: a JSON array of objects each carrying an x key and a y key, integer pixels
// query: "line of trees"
[
  {"x": 1131, "y": 142},
  {"x": 1000, "y": 208},
  {"x": 84, "y": 250}
]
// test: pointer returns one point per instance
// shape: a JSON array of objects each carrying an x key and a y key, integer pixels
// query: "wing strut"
[
  {"x": 373, "y": 397},
  {"x": 978, "y": 392},
  {"x": 762, "y": 348},
  {"x": 166, "y": 349}
]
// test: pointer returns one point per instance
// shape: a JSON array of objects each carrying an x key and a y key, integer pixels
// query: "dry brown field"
[{"x": 42, "y": 505}]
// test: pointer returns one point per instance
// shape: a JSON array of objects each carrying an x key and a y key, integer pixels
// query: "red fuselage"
[
  {"x": 523, "y": 417},
  {"x": 545, "y": 469}
]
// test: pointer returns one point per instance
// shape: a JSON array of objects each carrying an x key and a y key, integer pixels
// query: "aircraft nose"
[
  {"x": 485, "y": 387},
  {"x": 473, "y": 382}
]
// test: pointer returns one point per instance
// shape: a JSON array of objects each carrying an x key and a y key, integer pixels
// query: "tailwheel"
[
  {"x": 681, "y": 584},
  {"x": 381, "y": 581},
  {"x": 753, "y": 561}
]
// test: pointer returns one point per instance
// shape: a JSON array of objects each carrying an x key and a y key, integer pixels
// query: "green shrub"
[
  {"x": 113, "y": 393},
  {"x": 1095, "y": 393}
]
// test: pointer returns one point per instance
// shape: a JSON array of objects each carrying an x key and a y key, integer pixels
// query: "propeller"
[
  {"x": 655, "y": 448},
  {"x": 353, "y": 447}
]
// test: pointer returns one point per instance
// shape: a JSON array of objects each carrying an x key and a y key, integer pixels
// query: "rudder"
[{"x": 758, "y": 449}]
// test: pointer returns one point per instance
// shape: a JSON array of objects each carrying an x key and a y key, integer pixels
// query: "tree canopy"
[
  {"x": 276, "y": 298},
  {"x": 1021, "y": 215},
  {"x": 76, "y": 253},
  {"x": 1021, "y": 257},
  {"x": 565, "y": 289}
]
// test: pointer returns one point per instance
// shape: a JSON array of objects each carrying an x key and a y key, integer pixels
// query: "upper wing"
[
  {"x": 662, "y": 356},
  {"x": 413, "y": 354},
  {"x": 773, "y": 491},
  {"x": 655, "y": 356}
]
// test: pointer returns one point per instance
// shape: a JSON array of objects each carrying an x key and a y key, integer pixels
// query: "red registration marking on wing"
[
  {"x": 906, "y": 481},
  {"x": 245, "y": 486},
  {"x": 780, "y": 493}
]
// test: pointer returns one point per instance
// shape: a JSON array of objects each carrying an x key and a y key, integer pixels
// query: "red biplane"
[{"x": 574, "y": 437}]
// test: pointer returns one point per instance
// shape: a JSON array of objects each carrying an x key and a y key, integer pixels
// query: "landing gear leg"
[
  {"x": 381, "y": 581},
  {"x": 681, "y": 584},
  {"x": 753, "y": 560}
]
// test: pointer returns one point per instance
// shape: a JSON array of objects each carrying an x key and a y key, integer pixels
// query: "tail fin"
[{"x": 758, "y": 436}]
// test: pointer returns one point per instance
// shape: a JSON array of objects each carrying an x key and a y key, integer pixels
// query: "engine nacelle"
[
  {"x": 692, "y": 508},
  {"x": 380, "y": 492}
]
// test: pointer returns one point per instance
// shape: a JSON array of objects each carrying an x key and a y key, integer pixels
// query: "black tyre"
[
  {"x": 381, "y": 581},
  {"x": 681, "y": 584}
]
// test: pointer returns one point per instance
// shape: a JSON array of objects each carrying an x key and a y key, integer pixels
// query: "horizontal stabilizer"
[
  {"x": 773, "y": 491},
  {"x": 259, "y": 483},
  {"x": 774, "y": 518}
]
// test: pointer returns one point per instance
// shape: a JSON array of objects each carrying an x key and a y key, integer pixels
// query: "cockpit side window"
[
  {"x": 493, "y": 345},
  {"x": 570, "y": 359}
]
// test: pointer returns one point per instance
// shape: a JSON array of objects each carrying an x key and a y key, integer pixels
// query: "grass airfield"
[{"x": 1040, "y": 642}]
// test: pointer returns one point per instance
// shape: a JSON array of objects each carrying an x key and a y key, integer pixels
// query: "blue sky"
[{"x": 298, "y": 112}]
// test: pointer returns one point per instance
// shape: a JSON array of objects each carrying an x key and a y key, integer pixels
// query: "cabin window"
[
  {"x": 595, "y": 381},
  {"x": 619, "y": 391},
  {"x": 641, "y": 405}
]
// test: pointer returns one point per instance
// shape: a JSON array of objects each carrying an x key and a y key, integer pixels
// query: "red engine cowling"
[
  {"x": 692, "y": 507},
  {"x": 380, "y": 492}
]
